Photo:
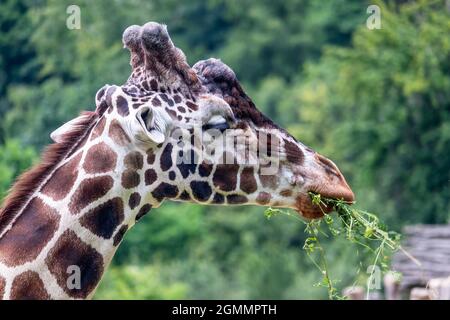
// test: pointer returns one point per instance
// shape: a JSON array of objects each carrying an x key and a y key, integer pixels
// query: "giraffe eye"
[{"x": 216, "y": 122}]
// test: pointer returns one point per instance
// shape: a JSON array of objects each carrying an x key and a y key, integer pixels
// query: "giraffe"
[{"x": 170, "y": 132}]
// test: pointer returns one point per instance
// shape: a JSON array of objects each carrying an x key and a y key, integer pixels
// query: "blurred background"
[{"x": 377, "y": 102}]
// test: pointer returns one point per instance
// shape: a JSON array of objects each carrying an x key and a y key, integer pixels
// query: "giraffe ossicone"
[{"x": 170, "y": 132}]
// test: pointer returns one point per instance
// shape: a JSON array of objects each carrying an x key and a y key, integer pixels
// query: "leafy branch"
[{"x": 357, "y": 226}]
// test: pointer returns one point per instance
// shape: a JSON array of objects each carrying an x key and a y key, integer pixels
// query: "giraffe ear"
[
  {"x": 58, "y": 135},
  {"x": 156, "y": 124}
]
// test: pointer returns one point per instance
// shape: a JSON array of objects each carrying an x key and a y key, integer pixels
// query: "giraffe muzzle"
[{"x": 330, "y": 183}]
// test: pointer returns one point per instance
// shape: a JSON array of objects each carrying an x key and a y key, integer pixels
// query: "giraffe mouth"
[
  {"x": 306, "y": 208},
  {"x": 309, "y": 210},
  {"x": 330, "y": 184}
]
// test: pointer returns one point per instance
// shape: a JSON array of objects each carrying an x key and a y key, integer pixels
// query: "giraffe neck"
[{"x": 64, "y": 237}]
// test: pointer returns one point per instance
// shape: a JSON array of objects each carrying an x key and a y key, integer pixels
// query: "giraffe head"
[{"x": 192, "y": 134}]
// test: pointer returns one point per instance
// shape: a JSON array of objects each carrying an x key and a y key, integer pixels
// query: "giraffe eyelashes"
[
  {"x": 219, "y": 126},
  {"x": 217, "y": 123}
]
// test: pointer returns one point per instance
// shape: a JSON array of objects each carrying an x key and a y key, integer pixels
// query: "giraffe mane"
[{"x": 27, "y": 182}]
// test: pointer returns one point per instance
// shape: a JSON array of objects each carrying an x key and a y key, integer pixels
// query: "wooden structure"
[
  {"x": 427, "y": 276},
  {"x": 430, "y": 245}
]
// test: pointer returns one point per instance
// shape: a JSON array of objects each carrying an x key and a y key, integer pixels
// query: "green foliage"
[
  {"x": 382, "y": 106},
  {"x": 168, "y": 233},
  {"x": 377, "y": 102},
  {"x": 356, "y": 226},
  {"x": 139, "y": 282},
  {"x": 277, "y": 37},
  {"x": 14, "y": 159}
]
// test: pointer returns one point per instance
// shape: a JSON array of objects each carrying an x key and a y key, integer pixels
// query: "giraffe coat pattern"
[{"x": 170, "y": 132}]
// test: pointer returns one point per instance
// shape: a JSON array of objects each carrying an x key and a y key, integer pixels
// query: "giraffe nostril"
[
  {"x": 331, "y": 183},
  {"x": 328, "y": 165}
]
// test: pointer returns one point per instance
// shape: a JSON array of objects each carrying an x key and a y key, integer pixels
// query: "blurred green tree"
[
  {"x": 14, "y": 159},
  {"x": 133, "y": 282},
  {"x": 382, "y": 109}
]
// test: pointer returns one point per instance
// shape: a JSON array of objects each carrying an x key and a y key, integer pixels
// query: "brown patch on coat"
[
  {"x": 88, "y": 191},
  {"x": 154, "y": 85},
  {"x": 236, "y": 199},
  {"x": 204, "y": 169},
  {"x": 263, "y": 198},
  {"x": 201, "y": 190},
  {"x": 100, "y": 158},
  {"x": 98, "y": 129},
  {"x": 156, "y": 102},
  {"x": 177, "y": 98},
  {"x": 28, "y": 286},
  {"x": 2, "y": 287},
  {"x": 105, "y": 218},
  {"x": 185, "y": 196},
  {"x": 27, "y": 183},
  {"x": 225, "y": 177},
  {"x": 293, "y": 152},
  {"x": 119, "y": 235},
  {"x": 150, "y": 156},
  {"x": 68, "y": 251},
  {"x": 117, "y": 134},
  {"x": 150, "y": 176},
  {"x": 62, "y": 180},
  {"x": 269, "y": 181},
  {"x": 166, "y": 99},
  {"x": 145, "y": 85},
  {"x": 32, "y": 230},
  {"x": 143, "y": 211},
  {"x": 134, "y": 160},
  {"x": 134, "y": 200},
  {"x": 165, "y": 161},
  {"x": 122, "y": 106},
  {"x": 165, "y": 190},
  {"x": 130, "y": 179},
  {"x": 248, "y": 181},
  {"x": 286, "y": 193},
  {"x": 172, "y": 113},
  {"x": 192, "y": 106},
  {"x": 218, "y": 198}
]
